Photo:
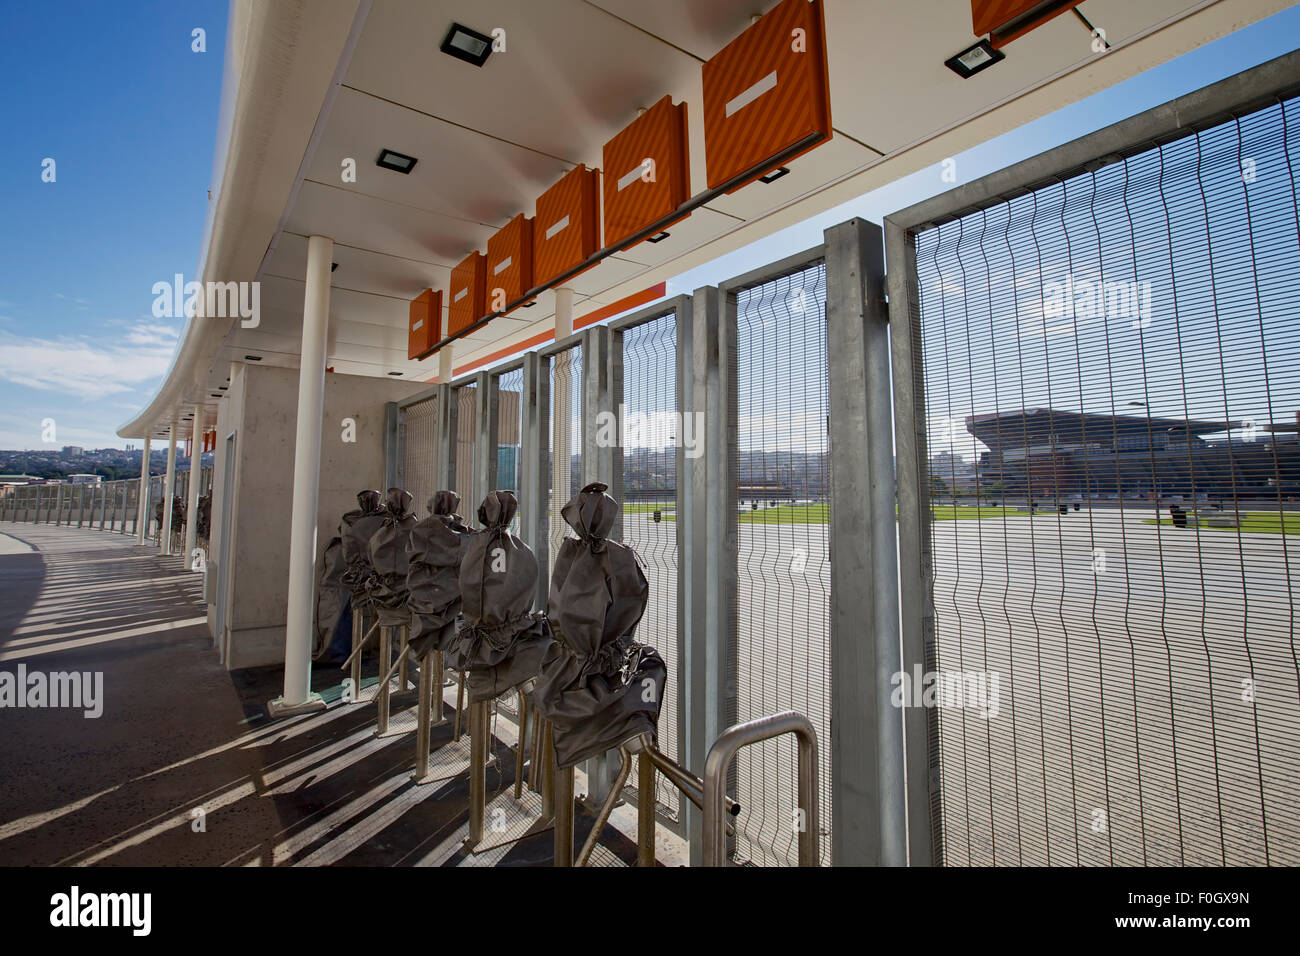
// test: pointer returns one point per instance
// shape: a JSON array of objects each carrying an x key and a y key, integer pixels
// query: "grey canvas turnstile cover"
[
  {"x": 356, "y": 529},
  {"x": 500, "y": 642},
  {"x": 331, "y": 594},
  {"x": 433, "y": 581},
  {"x": 598, "y": 686},
  {"x": 389, "y": 563}
]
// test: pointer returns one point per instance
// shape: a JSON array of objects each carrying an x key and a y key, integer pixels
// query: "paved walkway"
[{"x": 183, "y": 767}]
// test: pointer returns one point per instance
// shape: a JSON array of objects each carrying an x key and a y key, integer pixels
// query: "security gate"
[
  {"x": 1097, "y": 390},
  {"x": 418, "y": 441},
  {"x": 653, "y": 444}
]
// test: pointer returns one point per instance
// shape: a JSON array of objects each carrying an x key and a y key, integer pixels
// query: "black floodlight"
[
  {"x": 394, "y": 373},
  {"x": 334, "y": 267},
  {"x": 252, "y": 358},
  {"x": 466, "y": 44},
  {"x": 774, "y": 175},
  {"x": 658, "y": 237},
  {"x": 397, "y": 162},
  {"x": 973, "y": 59}
]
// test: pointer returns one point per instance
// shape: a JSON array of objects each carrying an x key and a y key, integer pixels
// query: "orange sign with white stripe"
[
  {"x": 425, "y": 327},
  {"x": 766, "y": 91},
  {"x": 646, "y": 170},
  {"x": 468, "y": 293},
  {"x": 509, "y": 263},
  {"x": 566, "y": 231}
]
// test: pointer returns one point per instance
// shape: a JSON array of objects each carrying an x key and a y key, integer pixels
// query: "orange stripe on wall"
[
  {"x": 591, "y": 318},
  {"x": 622, "y": 305}
]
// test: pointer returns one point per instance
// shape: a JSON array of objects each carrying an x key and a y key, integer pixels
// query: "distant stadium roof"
[{"x": 1033, "y": 425}]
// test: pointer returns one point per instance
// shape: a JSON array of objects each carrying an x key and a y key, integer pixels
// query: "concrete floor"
[{"x": 183, "y": 767}]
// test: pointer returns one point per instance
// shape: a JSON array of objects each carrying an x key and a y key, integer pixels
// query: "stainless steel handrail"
[{"x": 721, "y": 754}]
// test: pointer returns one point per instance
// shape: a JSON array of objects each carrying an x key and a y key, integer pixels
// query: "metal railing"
[{"x": 806, "y": 818}]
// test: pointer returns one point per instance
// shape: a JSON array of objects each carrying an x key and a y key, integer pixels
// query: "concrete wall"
[{"x": 261, "y": 409}]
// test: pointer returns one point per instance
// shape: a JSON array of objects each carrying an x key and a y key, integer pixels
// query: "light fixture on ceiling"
[
  {"x": 216, "y": 394},
  {"x": 394, "y": 373},
  {"x": 397, "y": 162},
  {"x": 659, "y": 237},
  {"x": 252, "y": 358},
  {"x": 466, "y": 44},
  {"x": 970, "y": 61},
  {"x": 222, "y": 388},
  {"x": 774, "y": 175}
]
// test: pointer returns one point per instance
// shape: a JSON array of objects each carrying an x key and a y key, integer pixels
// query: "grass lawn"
[
  {"x": 1250, "y": 521},
  {"x": 820, "y": 513}
]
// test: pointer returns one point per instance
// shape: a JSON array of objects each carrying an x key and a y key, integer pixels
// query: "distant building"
[
  {"x": 73, "y": 450},
  {"x": 84, "y": 479},
  {"x": 1052, "y": 453}
]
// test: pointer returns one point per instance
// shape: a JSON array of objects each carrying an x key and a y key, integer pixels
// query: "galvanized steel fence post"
[
  {"x": 534, "y": 493},
  {"x": 869, "y": 821}
]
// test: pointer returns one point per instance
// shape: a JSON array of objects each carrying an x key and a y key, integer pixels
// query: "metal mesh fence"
[
  {"x": 780, "y": 654},
  {"x": 565, "y": 369},
  {"x": 466, "y": 399},
  {"x": 418, "y": 437},
  {"x": 510, "y": 431},
  {"x": 1111, "y": 389},
  {"x": 650, "y": 434}
]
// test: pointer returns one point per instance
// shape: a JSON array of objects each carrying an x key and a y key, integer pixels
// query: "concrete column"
[
  {"x": 297, "y": 697},
  {"x": 192, "y": 507},
  {"x": 141, "y": 511},
  {"x": 563, "y": 313},
  {"x": 169, "y": 489},
  {"x": 445, "y": 368}
]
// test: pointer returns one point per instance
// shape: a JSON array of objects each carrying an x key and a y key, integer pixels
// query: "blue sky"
[{"x": 116, "y": 96}]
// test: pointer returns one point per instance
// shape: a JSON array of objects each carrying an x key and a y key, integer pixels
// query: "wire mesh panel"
[
  {"x": 466, "y": 398},
  {"x": 1112, "y": 386},
  {"x": 566, "y": 440},
  {"x": 418, "y": 439},
  {"x": 780, "y": 654},
  {"x": 650, "y": 434},
  {"x": 510, "y": 430}
]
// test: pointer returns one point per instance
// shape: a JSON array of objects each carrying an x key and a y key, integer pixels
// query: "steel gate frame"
[{"x": 1239, "y": 95}]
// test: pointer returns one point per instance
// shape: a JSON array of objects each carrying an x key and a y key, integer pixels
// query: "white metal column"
[
  {"x": 192, "y": 508},
  {"x": 297, "y": 697},
  {"x": 142, "y": 505},
  {"x": 169, "y": 490}
]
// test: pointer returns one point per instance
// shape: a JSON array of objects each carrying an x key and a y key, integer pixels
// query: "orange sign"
[
  {"x": 468, "y": 293},
  {"x": 425, "y": 327},
  {"x": 647, "y": 173},
  {"x": 1004, "y": 20},
  {"x": 566, "y": 231},
  {"x": 509, "y": 263},
  {"x": 766, "y": 91}
]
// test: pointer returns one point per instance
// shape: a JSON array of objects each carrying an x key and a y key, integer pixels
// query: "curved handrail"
[{"x": 724, "y": 751}]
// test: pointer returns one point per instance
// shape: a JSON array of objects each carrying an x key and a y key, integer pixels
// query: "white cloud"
[{"x": 84, "y": 369}]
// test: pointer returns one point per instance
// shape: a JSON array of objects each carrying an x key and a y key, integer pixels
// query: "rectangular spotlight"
[
  {"x": 466, "y": 44},
  {"x": 397, "y": 162},
  {"x": 973, "y": 59}
]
